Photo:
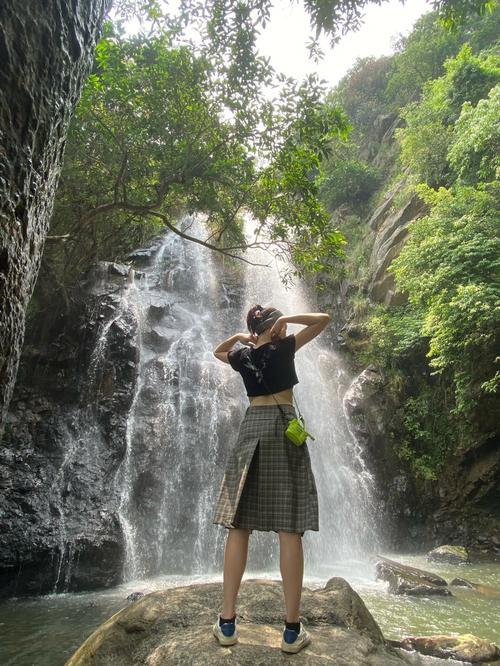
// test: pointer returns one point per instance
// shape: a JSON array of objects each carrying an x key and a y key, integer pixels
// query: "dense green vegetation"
[
  {"x": 156, "y": 134},
  {"x": 440, "y": 348},
  {"x": 430, "y": 122},
  {"x": 166, "y": 127},
  {"x": 169, "y": 123}
]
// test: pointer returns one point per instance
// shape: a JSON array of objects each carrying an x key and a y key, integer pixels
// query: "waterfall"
[
  {"x": 186, "y": 411},
  {"x": 183, "y": 410},
  {"x": 81, "y": 436}
]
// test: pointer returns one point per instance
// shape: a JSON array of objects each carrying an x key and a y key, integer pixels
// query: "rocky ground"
[{"x": 174, "y": 626}]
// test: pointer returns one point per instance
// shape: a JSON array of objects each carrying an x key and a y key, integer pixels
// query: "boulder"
[
  {"x": 364, "y": 405},
  {"x": 118, "y": 269},
  {"x": 467, "y": 647},
  {"x": 157, "y": 340},
  {"x": 143, "y": 256},
  {"x": 160, "y": 339},
  {"x": 449, "y": 554},
  {"x": 107, "y": 278},
  {"x": 158, "y": 310},
  {"x": 174, "y": 626},
  {"x": 486, "y": 590},
  {"x": 462, "y": 582},
  {"x": 404, "y": 579}
]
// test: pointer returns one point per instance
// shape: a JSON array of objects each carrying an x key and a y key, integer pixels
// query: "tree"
[
  {"x": 474, "y": 151},
  {"x": 449, "y": 268},
  {"x": 430, "y": 122},
  {"x": 153, "y": 135},
  {"x": 347, "y": 179},
  {"x": 421, "y": 55},
  {"x": 362, "y": 92},
  {"x": 37, "y": 101}
]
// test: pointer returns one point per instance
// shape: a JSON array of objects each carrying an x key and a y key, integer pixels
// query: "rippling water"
[
  {"x": 45, "y": 631},
  {"x": 466, "y": 612}
]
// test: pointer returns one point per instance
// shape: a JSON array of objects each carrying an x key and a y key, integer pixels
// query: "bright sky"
[{"x": 285, "y": 37}]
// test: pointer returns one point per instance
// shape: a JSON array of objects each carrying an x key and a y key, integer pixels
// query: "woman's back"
[{"x": 267, "y": 369}]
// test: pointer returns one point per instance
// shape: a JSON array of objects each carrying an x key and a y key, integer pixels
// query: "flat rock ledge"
[
  {"x": 468, "y": 648},
  {"x": 174, "y": 627}
]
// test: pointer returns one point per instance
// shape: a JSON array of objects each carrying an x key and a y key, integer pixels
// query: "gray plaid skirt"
[{"x": 268, "y": 482}]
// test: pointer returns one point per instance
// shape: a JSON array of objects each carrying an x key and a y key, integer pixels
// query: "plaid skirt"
[{"x": 268, "y": 482}]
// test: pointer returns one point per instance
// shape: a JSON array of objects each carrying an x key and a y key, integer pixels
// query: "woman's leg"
[
  {"x": 292, "y": 572},
  {"x": 235, "y": 559}
]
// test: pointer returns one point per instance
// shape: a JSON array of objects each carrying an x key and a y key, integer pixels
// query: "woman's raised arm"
[
  {"x": 221, "y": 350},
  {"x": 314, "y": 323}
]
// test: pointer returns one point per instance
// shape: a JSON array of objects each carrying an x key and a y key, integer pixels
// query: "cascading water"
[
  {"x": 83, "y": 442},
  {"x": 182, "y": 410},
  {"x": 186, "y": 411}
]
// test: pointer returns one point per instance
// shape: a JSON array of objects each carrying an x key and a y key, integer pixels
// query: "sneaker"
[
  {"x": 294, "y": 641},
  {"x": 227, "y": 634}
]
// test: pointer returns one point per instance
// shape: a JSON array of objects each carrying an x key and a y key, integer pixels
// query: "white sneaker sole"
[
  {"x": 295, "y": 646},
  {"x": 224, "y": 640}
]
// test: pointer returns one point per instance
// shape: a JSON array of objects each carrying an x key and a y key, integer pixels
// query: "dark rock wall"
[
  {"x": 46, "y": 50},
  {"x": 62, "y": 446}
]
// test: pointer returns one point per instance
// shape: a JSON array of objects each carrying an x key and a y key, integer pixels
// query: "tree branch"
[{"x": 150, "y": 210}]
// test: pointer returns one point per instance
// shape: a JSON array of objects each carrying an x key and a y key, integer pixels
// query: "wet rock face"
[
  {"x": 371, "y": 413},
  {"x": 468, "y": 510},
  {"x": 46, "y": 49},
  {"x": 63, "y": 444},
  {"x": 174, "y": 627},
  {"x": 62, "y": 458}
]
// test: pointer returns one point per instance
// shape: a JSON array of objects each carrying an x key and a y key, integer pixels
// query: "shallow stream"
[{"x": 45, "y": 631}]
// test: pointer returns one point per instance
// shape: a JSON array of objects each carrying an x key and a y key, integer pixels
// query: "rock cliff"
[
  {"x": 62, "y": 446},
  {"x": 46, "y": 51},
  {"x": 101, "y": 415},
  {"x": 463, "y": 505}
]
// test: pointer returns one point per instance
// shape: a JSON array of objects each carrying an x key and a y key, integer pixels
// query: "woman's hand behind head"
[
  {"x": 247, "y": 338},
  {"x": 278, "y": 329}
]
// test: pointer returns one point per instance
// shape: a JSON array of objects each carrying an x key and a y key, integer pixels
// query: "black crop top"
[{"x": 272, "y": 360}]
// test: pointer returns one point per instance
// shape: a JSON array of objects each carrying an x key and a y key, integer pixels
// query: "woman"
[{"x": 268, "y": 482}]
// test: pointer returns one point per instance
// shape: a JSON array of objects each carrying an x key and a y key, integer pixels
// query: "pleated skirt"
[{"x": 268, "y": 482}]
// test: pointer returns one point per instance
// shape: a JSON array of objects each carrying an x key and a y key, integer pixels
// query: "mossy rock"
[{"x": 449, "y": 554}]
